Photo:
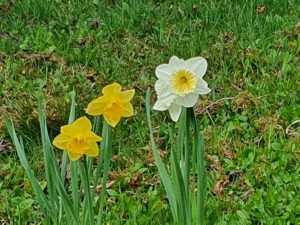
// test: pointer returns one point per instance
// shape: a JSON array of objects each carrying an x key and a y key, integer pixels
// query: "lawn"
[{"x": 252, "y": 48}]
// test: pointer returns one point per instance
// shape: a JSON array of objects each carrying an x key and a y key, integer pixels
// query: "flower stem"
[
  {"x": 107, "y": 151},
  {"x": 87, "y": 192},
  {"x": 200, "y": 169}
]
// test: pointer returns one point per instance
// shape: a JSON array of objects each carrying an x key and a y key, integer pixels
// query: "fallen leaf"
[
  {"x": 135, "y": 181},
  {"x": 4, "y": 145},
  {"x": 261, "y": 9},
  {"x": 219, "y": 186},
  {"x": 232, "y": 176},
  {"x": 229, "y": 155},
  {"x": 109, "y": 184}
]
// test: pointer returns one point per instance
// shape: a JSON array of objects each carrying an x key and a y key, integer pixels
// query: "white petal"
[
  {"x": 175, "y": 63},
  {"x": 187, "y": 101},
  {"x": 202, "y": 87},
  {"x": 198, "y": 65},
  {"x": 164, "y": 72},
  {"x": 163, "y": 91},
  {"x": 175, "y": 111},
  {"x": 159, "y": 106}
]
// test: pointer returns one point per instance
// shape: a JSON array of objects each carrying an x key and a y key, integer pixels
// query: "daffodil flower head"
[
  {"x": 78, "y": 139},
  {"x": 113, "y": 105},
  {"x": 180, "y": 82}
]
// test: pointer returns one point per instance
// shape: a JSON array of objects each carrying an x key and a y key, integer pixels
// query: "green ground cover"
[{"x": 252, "y": 48}]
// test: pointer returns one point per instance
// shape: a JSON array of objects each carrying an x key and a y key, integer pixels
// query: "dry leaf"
[
  {"x": 229, "y": 155},
  {"x": 4, "y": 145},
  {"x": 135, "y": 181},
  {"x": 261, "y": 9},
  {"x": 219, "y": 186}
]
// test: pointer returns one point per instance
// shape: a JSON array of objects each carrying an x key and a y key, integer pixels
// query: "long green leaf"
[
  {"x": 87, "y": 193},
  {"x": 200, "y": 169},
  {"x": 52, "y": 163},
  {"x": 161, "y": 168},
  {"x": 107, "y": 158},
  {"x": 41, "y": 198},
  {"x": 47, "y": 156},
  {"x": 65, "y": 157}
]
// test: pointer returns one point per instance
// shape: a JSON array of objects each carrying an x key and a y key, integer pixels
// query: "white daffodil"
[{"x": 179, "y": 84}]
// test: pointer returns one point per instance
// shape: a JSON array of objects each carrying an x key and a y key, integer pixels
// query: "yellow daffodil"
[
  {"x": 78, "y": 139},
  {"x": 114, "y": 104},
  {"x": 180, "y": 82}
]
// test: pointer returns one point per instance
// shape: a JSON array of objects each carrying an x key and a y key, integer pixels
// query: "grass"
[{"x": 254, "y": 72}]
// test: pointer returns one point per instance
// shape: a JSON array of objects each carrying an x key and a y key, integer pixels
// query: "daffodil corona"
[
  {"x": 114, "y": 104},
  {"x": 78, "y": 139},
  {"x": 179, "y": 84}
]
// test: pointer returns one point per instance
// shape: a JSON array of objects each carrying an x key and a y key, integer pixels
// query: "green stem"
[
  {"x": 200, "y": 170},
  {"x": 100, "y": 160},
  {"x": 187, "y": 152},
  {"x": 74, "y": 186},
  {"x": 107, "y": 159},
  {"x": 87, "y": 192}
]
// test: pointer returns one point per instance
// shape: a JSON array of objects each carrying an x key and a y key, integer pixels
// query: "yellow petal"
[
  {"x": 112, "y": 117},
  {"x": 126, "y": 96},
  {"x": 96, "y": 107},
  {"x": 91, "y": 136},
  {"x": 61, "y": 141},
  {"x": 127, "y": 110},
  {"x": 74, "y": 156},
  {"x": 82, "y": 124},
  {"x": 111, "y": 89},
  {"x": 93, "y": 151},
  {"x": 68, "y": 130}
]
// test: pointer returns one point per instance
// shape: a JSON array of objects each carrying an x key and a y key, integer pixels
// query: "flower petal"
[
  {"x": 61, "y": 141},
  {"x": 91, "y": 136},
  {"x": 111, "y": 89},
  {"x": 83, "y": 124},
  {"x": 164, "y": 71},
  {"x": 96, "y": 107},
  {"x": 175, "y": 63},
  {"x": 202, "y": 87},
  {"x": 187, "y": 101},
  {"x": 126, "y": 96},
  {"x": 159, "y": 106},
  {"x": 175, "y": 111},
  {"x": 112, "y": 117},
  {"x": 68, "y": 130},
  {"x": 127, "y": 109},
  {"x": 163, "y": 91},
  {"x": 74, "y": 156},
  {"x": 198, "y": 65},
  {"x": 93, "y": 151}
]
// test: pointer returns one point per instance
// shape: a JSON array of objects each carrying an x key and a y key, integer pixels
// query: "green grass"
[{"x": 56, "y": 46}]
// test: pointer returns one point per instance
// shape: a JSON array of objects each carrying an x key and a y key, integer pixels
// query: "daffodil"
[
  {"x": 180, "y": 82},
  {"x": 78, "y": 139},
  {"x": 114, "y": 104}
]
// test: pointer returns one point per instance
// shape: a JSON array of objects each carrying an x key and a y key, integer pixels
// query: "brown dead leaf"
[
  {"x": 261, "y": 9},
  {"x": 233, "y": 175},
  {"x": 4, "y": 145},
  {"x": 229, "y": 155},
  {"x": 109, "y": 184},
  {"x": 219, "y": 186},
  {"x": 135, "y": 181},
  {"x": 91, "y": 75}
]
